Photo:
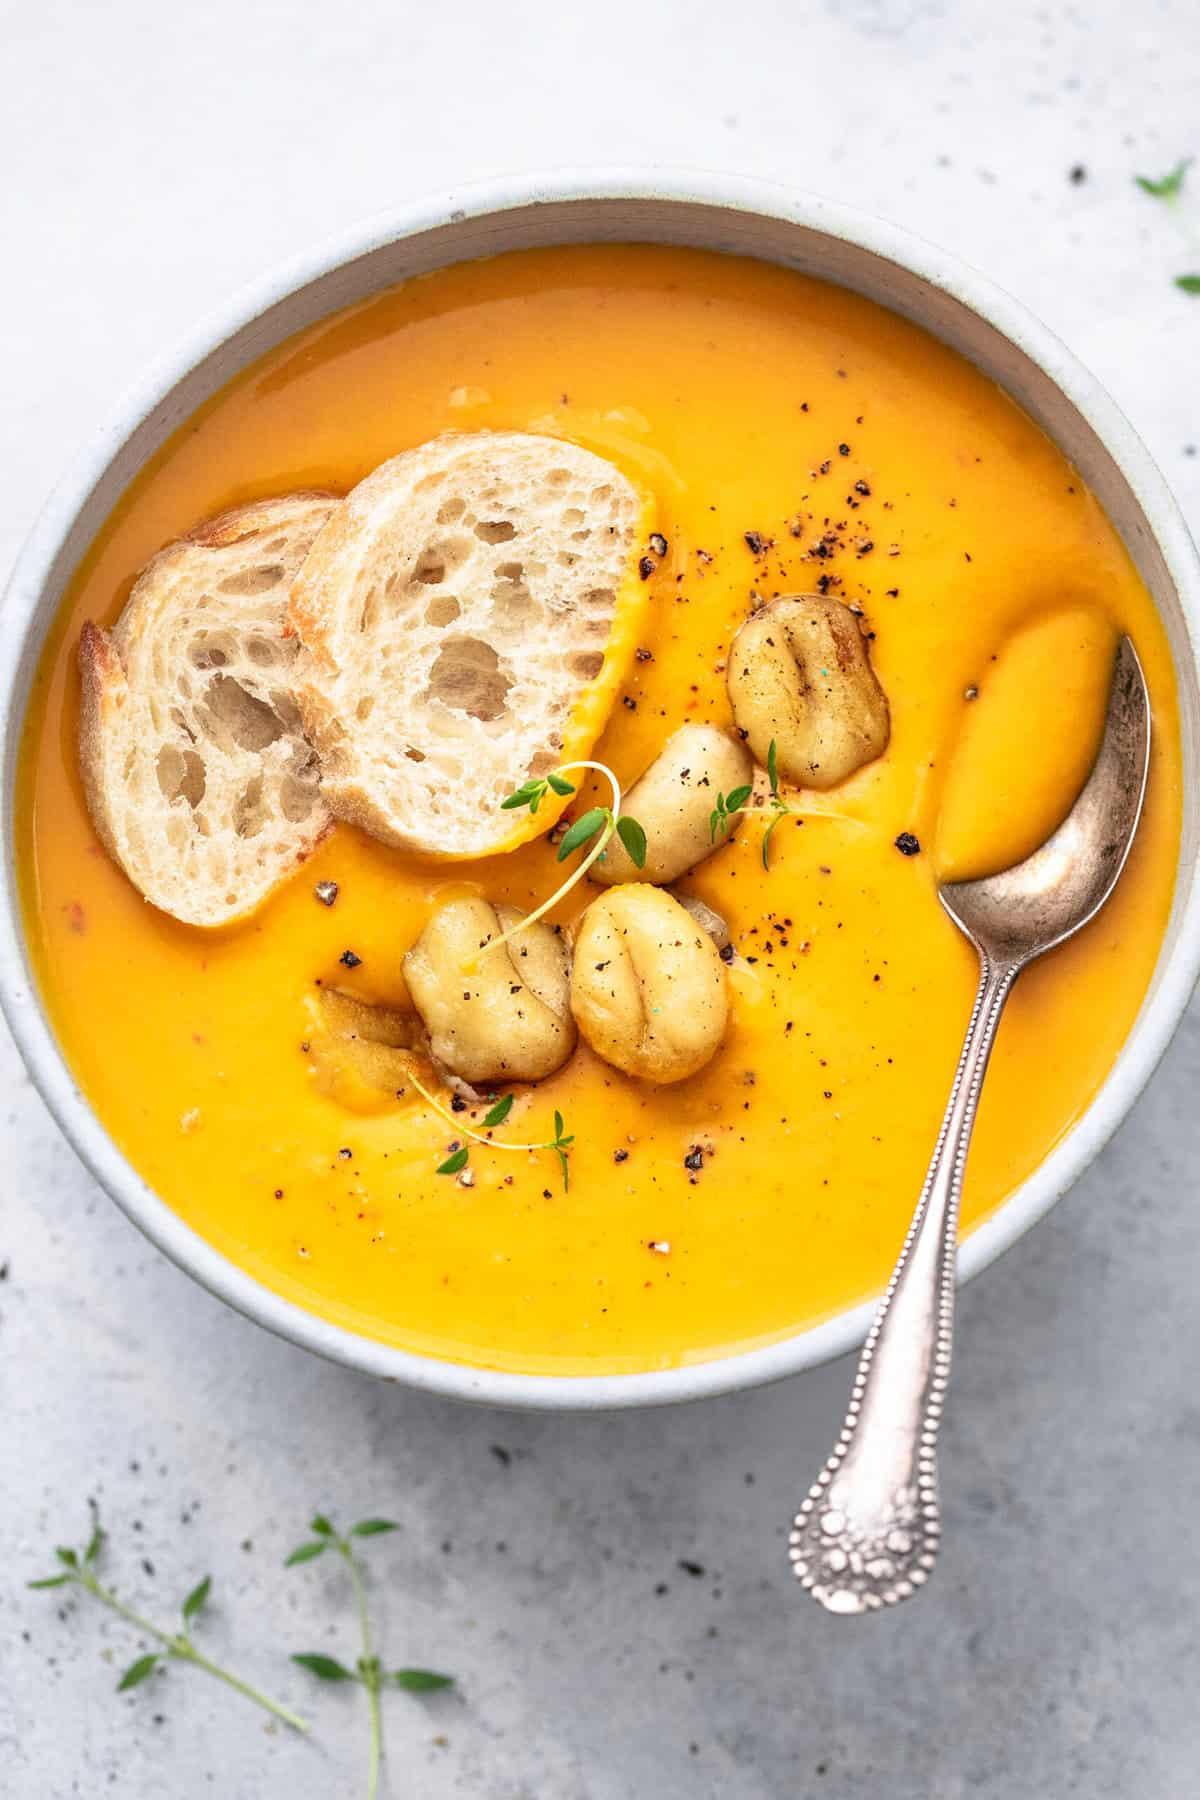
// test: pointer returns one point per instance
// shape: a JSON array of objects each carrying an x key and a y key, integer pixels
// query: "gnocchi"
[
  {"x": 504, "y": 1016},
  {"x": 673, "y": 803},
  {"x": 800, "y": 677},
  {"x": 648, "y": 989}
]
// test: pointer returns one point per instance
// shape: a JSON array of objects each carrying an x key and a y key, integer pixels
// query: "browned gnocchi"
[{"x": 800, "y": 677}]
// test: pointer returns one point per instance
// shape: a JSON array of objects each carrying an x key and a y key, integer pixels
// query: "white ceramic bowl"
[{"x": 715, "y": 213}]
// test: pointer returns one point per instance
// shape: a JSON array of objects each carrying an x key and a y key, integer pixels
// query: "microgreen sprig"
[
  {"x": 729, "y": 806},
  {"x": 531, "y": 793},
  {"x": 560, "y": 1143},
  {"x": 79, "y": 1569},
  {"x": 368, "y": 1670},
  {"x": 596, "y": 826}
]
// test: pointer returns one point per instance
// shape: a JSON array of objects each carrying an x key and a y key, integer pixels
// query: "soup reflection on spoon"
[{"x": 1029, "y": 737}]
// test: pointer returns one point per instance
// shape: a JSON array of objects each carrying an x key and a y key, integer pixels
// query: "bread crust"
[
  {"x": 196, "y": 774},
  {"x": 103, "y": 692}
]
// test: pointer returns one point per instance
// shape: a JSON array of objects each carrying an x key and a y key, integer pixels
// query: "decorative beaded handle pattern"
[{"x": 867, "y": 1531}]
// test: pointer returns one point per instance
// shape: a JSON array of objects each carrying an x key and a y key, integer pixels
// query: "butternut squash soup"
[{"x": 795, "y": 440}]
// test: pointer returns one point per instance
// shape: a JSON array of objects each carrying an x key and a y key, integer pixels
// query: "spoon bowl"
[
  {"x": 867, "y": 1532},
  {"x": 1039, "y": 903}
]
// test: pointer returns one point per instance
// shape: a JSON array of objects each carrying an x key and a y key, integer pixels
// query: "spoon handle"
[{"x": 867, "y": 1531}]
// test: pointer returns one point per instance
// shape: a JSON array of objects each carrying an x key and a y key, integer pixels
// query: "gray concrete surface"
[{"x": 154, "y": 157}]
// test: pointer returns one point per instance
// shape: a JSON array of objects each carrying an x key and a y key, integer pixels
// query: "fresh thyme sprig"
[
  {"x": 730, "y": 806},
  {"x": 1168, "y": 186},
  {"x": 79, "y": 1569},
  {"x": 368, "y": 1669},
  {"x": 596, "y": 826},
  {"x": 560, "y": 1146},
  {"x": 780, "y": 808},
  {"x": 726, "y": 810},
  {"x": 1168, "y": 189},
  {"x": 560, "y": 1143}
]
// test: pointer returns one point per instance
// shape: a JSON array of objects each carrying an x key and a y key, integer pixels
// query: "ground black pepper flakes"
[
  {"x": 726, "y": 953},
  {"x": 326, "y": 892},
  {"x": 756, "y": 543},
  {"x": 646, "y": 567},
  {"x": 620, "y": 1156},
  {"x": 349, "y": 959},
  {"x": 908, "y": 845},
  {"x": 694, "y": 1160},
  {"x": 658, "y": 543},
  {"x": 457, "y": 1103},
  {"x": 843, "y": 449}
]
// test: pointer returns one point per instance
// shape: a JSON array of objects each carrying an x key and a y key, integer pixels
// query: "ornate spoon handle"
[{"x": 867, "y": 1531}]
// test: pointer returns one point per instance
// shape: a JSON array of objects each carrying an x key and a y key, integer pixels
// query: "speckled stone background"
[{"x": 610, "y": 1591}]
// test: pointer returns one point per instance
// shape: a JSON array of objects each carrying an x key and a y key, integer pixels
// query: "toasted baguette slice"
[
  {"x": 198, "y": 777},
  {"x": 466, "y": 619}
]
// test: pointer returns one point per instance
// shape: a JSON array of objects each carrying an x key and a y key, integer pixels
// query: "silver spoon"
[{"x": 867, "y": 1531}]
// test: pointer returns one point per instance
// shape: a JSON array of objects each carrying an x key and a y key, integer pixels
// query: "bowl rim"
[{"x": 1152, "y": 1030}]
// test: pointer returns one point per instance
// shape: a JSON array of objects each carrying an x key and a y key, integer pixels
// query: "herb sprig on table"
[
  {"x": 1168, "y": 188},
  {"x": 79, "y": 1569},
  {"x": 368, "y": 1670}
]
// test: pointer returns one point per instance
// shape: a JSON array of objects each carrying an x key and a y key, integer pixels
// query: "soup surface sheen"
[{"x": 751, "y": 400}]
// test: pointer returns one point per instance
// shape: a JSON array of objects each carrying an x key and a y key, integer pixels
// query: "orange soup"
[{"x": 797, "y": 438}]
